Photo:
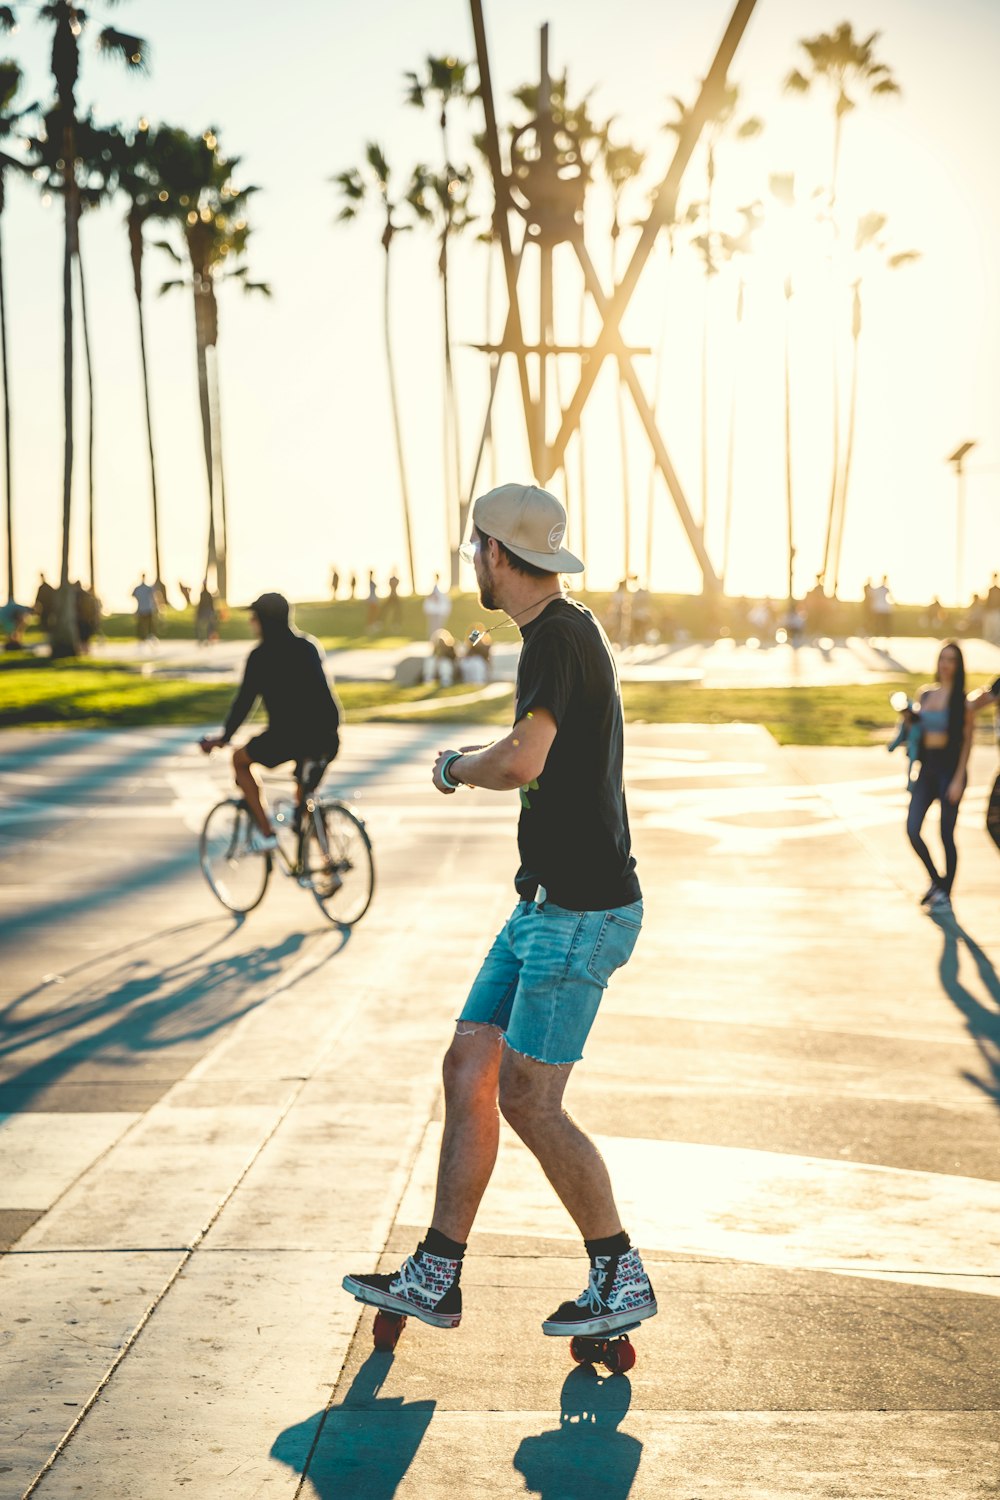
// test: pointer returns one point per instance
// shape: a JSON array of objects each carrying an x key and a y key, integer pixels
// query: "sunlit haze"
[{"x": 310, "y": 465}]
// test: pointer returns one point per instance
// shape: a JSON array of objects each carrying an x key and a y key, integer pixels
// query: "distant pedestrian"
[
  {"x": 392, "y": 610},
  {"x": 206, "y": 619},
  {"x": 437, "y": 608},
  {"x": 45, "y": 604},
  {"x": 13, "y": 619},
  {"x": 185, "y": 594},
  {"x": 88, "y": 616},
  {"x": 991, "y": 612},
  {"x": 882, "y": 606},
  {"x": 353, "y": 585},
  {"x": 867, "y": 619},
  {"x": 145, "y": 610},
  {"x": 945, "y": 740},
  {"x": 334, "y": 582},
  {"x": 989, "y": 697},
  {"x": 372, "y": 610},
  {"x": 815, "y": 607}
]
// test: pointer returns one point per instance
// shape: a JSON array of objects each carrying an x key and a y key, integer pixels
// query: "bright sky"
[{"x": 310, "y": 465}]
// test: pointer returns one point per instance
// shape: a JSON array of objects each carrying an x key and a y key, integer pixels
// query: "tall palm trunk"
[
  {"x": 581, "y": 454},
  {"x": 845, "y": 477},
  {"x": 390, "y": 362},
  {"x": 788, "y": 445},
  {"x": 661, "y": 347},
  {"x": 452, "y": 438},
  {"x": 622, "y": 432},
  {"x": 731, "y": 439},
  {"x": 90, "y": 416},
  {"x": 216, "y": 405},
  {"x": 65, "y": 639},
  {"x": 8, "y": 486},
  {"x": 136, "y": 247},
  {"x": 204, "y": 401},
  {"x": 831, "y": 517}
]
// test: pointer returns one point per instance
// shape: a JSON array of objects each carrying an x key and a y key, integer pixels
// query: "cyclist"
[{"x": 303, "y": 716}]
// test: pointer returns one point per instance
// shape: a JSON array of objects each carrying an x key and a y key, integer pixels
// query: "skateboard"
[{"x": 613, "y": 1350}]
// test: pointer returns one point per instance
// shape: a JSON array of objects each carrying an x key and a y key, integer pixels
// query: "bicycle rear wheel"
[
  {"x": 338, "y": 864},
  {"x": 237, "y": 874}
]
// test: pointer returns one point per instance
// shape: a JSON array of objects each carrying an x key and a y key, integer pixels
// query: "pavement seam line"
[
  {"x": 331, "y": 1039},
  {"x": 418, "y": 1137}
]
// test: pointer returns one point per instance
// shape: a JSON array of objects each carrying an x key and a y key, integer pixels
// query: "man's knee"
[
  {"x": 530, "y": 1093},
  {"x": 241, "y": 762},
  {"x": 472, "y": 1062}
]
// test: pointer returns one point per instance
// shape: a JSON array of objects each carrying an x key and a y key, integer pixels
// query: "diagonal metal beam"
[
  {"x": 647, "y": 416},
  {"x": 502, "y": 195},
  {"x": 662, "y": 212}
]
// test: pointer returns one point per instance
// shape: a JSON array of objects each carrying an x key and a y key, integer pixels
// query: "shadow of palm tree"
[
  {"x": 364, "y": 1446},
  {"x": 982, "y": 1021},
  {"x": 585, "y": 1457}
]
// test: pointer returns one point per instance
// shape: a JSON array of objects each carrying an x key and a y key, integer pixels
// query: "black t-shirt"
[
  {"x": 286, "y": 670},
  {"x": 573, "y": 834}
]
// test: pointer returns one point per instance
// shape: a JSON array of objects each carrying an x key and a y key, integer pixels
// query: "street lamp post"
[{"x": 958, "y": 459}]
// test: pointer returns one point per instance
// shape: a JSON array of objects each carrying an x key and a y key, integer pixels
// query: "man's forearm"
[{"x": 495, "y": 768}]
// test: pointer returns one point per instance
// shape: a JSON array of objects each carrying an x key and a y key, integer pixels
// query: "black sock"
[
  {"x": 436, "y": 1243},
  {"x": 615, "y": 1244}
]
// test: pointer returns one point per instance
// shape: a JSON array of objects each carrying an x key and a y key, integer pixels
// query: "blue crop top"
[{"x": 934, "y": 720}]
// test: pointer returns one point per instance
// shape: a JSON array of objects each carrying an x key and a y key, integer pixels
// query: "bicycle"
[{"x": 322, "y": 843}]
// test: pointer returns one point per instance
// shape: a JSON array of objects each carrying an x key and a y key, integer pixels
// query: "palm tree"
[
  {"x": 94, "y": 184},
  {"x": 870, "y": 248},
  {"x": 69, "y": 20},
  {"x": 137, "y": 179},
  {"x": 733, "y": 249},
  {"x": 622, "y": 164},
  {"x": 355, "y": 187},
  {"x": 211, "y": 213},
  {"x": 846, "y": 66},
  {"x": 442, "y": 198},
  {"x": 721, "y": 125},
  {"x": 10, "y": 118}
]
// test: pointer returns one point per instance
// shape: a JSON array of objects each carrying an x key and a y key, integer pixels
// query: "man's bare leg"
[
  {"x": 250, "y": 787},
  {"x": 471, "y": 1127},
  {"x": 531, "y": 1096}
]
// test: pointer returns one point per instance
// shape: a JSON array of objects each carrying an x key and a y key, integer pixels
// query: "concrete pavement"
[{"x": 795, "y": 1083}]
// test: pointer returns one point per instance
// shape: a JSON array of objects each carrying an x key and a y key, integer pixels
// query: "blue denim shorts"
[{"x": 545, "y": 975}]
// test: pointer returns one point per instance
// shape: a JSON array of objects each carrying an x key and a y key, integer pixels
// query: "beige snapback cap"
[{"x": 530, "y": 522}]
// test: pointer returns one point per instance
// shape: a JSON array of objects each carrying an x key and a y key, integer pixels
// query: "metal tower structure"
[{"x": 549, "y": 202}]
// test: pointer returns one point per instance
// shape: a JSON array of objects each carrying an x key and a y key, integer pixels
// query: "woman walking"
[{"x": 945, "y": 739}]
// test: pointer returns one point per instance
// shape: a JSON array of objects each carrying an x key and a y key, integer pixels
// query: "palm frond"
[
  {"x": 797, "y": 83},
  {"x": 903, "y": 258},
  {"x": 132, "y": 50},
  {"x": 170, "y": 286},
  {"x": 8, "y": 20},
  {"x": 169, "y": 250}
]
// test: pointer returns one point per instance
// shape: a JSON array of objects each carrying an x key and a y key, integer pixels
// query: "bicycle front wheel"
[
  {"x": 237, "y": 874},
  {"x": 338, "y": 864}
]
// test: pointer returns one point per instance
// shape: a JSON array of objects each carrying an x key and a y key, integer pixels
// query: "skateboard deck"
[{"x": 613, "y": 1350}]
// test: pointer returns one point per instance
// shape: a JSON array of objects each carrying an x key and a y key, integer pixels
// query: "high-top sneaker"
[
  {"x": 617, "y": 1294},
  {"x": 425, "y": 1286}
]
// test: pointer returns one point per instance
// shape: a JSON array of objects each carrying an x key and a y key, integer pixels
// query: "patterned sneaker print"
[
  {"x": 425, "y": 1286},
  {"x": 617, "y": 1294}
]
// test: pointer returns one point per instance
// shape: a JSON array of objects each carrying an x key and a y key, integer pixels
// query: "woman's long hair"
[{"x": 956, "y": 702}]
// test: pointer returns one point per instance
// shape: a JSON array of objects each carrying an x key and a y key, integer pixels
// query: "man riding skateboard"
[{"x": 578, "y": 915}]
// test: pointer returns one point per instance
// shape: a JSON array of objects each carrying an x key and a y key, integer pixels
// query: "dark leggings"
[
  {"x": 936, "y": 773},
  {"x": 993, "y": 814}
]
